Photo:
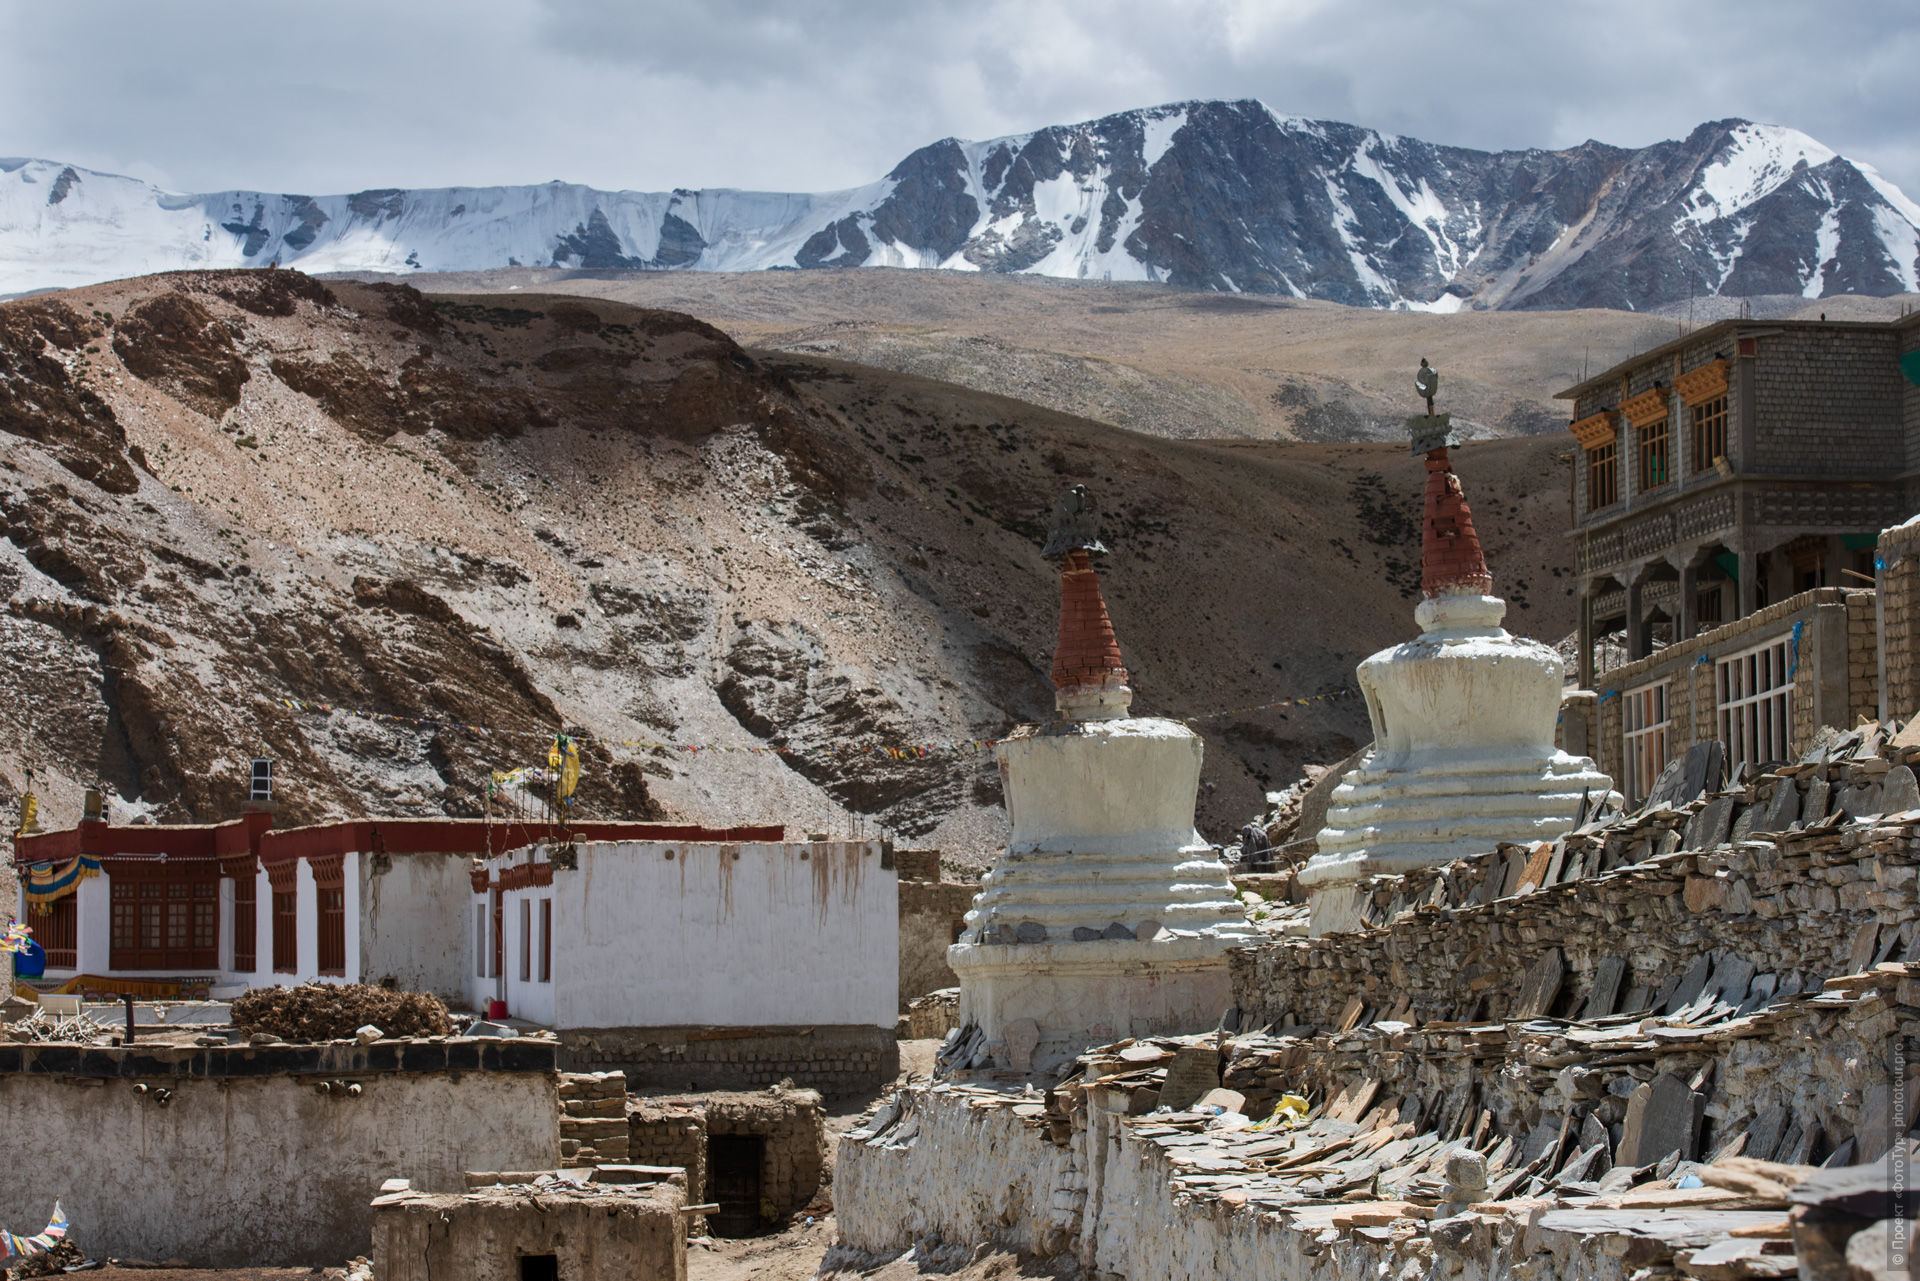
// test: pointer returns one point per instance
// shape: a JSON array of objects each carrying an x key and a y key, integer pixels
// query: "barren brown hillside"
[
  {"x": 222, "y": 490},
  {"x": 1166, "y": 361}
]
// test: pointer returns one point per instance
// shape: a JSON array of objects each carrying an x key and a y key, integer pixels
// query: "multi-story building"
[{"x": 1735, "y": 467}]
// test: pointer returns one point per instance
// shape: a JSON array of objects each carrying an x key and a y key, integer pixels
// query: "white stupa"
[
  {"x": 1108, "y": 916},
  {"x": 1463, "y": 727}
]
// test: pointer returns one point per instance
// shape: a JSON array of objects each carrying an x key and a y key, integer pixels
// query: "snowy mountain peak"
[{"x": 1230, "y": 196}]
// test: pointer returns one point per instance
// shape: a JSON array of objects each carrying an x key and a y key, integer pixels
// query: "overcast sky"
[{"x": 340, "y": 96}]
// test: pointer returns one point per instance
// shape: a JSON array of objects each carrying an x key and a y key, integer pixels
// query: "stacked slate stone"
[
  {"x": 1801, "y": 872},
  {"x": 593, "y": 1118},
  {"x": 1569, "y": 1147}
]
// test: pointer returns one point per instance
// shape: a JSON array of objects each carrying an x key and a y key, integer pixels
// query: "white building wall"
[
  {"x": 414, "y": 922},
  {"x": 529, "y": 998},
  {"x": 726, "y": 935}
]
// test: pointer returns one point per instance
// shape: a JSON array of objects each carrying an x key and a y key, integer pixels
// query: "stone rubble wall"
[
  {"x": 932, "y": 914},
  {"x": 1812, "y": 905},
  {"x": 1898, "y": 582},
  {"x": 838, "y": 1061},
  {"x": 674, "y": 1132},
  {"x": 931, "y": 1016}
]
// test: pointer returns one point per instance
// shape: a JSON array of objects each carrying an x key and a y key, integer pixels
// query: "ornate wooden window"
[
  {"x": 1603, "y": 478},
  {"x": 56, "y": 927},
  {"x": 168, "y": 919},
  {"x": 1705, "y": 390},
  {"x": 330, "y": 894},
  {"x": 246, "y": 917},
  {"x": 526, "y": 940},
  {"x": 1655, "y": 460},
  {"x": 546, "y": 940},
  {"x": 284, "y": 880}
]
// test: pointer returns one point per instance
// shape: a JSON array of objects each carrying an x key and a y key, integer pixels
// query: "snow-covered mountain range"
[{"x": 1210, "y": 195}]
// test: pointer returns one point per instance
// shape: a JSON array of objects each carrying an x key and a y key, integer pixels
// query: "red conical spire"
[
  {"x": 1450, "y": 558},
  {"x": 1088, "y": 678}
]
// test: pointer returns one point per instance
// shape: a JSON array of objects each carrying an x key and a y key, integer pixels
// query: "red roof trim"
[{"x": 253, "y": 834}]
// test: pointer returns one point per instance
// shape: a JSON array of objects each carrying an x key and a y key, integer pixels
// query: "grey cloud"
[{"x": 803, "y": 94}]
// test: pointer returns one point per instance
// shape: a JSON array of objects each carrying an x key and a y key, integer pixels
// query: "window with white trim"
[
  {"x": 480, "y": 941},
  {"x": 1643, "y": 732},
  {"x": 1755, "y": 696}
]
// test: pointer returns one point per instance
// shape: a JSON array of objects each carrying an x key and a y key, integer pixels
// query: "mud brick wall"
[
  {"x": 792, "y": 1123},
  {"x": 836, "y": 1060},
  {"x": 795, "y": 1130},
  {"x": 593, "y": 1111},
  {"x": 675, "y": 1134},
  {"x": 1898, "y": 577},
  {"x": 1813, "y": 906}
]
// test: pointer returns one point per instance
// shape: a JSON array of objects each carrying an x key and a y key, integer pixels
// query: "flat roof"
[{"x": 1752, "y": 328}]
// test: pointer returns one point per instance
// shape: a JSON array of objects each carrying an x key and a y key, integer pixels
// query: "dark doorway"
[
  {"x": 539, "y": 1267},
  {"x": 733, "y": 1183}
]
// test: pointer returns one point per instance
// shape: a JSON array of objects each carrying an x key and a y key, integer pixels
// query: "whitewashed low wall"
[
  {"x": 966, "y": 1175},
  {"x": 959, "y": 1173}
]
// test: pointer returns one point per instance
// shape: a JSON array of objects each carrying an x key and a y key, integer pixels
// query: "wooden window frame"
[
  {"x": 1655, "y": 455},
  {"x": 1709, "y": 432},
  {"x": 546, "y": 939},
  {"x": 283, "y": 882},
  {"x": 1603, "y": 461},
  {"x": 1645, "y": 728},
  {"x": 330, "y": 913},
  {"x": 480, "y": 949},
  {"x": 1754, "y": 696},
  {"x": 526, "y": 940}
]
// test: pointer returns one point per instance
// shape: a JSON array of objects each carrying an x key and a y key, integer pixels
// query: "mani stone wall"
[
  {"x": 1458, "y": 942},
  {"x": 837, "y": 1061},
  {"x": 236, "y": 1156},
  {"x": 932, "y": 913}
]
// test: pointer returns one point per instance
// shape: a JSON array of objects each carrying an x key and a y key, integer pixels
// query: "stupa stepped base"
[
  {"x": 1040, "y": 1004},
  {"x": 1391, "y": 820},
  {"x": 1053, "y": 896}
]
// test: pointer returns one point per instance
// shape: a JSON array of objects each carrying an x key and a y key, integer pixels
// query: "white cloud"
[{"x": 799, "y": 94}]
